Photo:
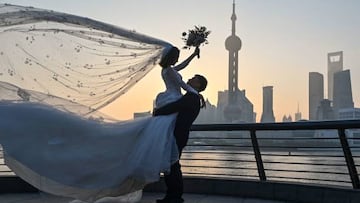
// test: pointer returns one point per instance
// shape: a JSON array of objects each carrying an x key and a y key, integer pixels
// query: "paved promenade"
[{"x": 147, "y": 198}]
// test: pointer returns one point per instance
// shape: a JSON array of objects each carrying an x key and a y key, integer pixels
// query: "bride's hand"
[{"x": 197, "y": 52}]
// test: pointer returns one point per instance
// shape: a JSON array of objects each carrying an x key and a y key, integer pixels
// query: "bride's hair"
[{"x": 170, "y": 57}]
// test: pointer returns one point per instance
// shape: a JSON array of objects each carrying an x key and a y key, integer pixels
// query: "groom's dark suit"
[{"x": 188, "y": 108}]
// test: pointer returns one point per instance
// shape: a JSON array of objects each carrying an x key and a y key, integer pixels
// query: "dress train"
[{"x": 67, "y": 155}]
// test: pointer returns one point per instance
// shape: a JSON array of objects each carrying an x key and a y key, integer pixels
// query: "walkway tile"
[{"x": 147, "y": 198}]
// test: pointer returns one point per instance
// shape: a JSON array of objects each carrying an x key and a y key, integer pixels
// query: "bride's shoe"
[
  {"x": 77, "y": 201},
  {"x": 128, "y": 198}
]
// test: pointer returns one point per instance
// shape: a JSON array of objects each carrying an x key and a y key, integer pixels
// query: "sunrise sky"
[{"x": 283, "y": 40}]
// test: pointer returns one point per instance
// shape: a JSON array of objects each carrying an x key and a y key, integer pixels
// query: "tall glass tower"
[
  {"x": 342, "y": 97},
  {"x": 268, "y": 113},
  {"x": 335, "y": 64},
  {"x": 233, "y": 45},
  {"x": 316, "y": 93}
]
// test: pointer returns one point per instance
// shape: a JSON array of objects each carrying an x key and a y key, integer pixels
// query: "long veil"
[
  {"x": 70, "y": 62},
  {"x": 74, "y": 64}
]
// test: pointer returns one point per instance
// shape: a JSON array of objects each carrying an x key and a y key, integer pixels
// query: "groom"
[{"x": 188, "y": 108}]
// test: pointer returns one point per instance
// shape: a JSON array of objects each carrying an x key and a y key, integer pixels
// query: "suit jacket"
[{"x": 188, "y": 108}]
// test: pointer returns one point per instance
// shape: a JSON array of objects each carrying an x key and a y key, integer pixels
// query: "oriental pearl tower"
[{"x": 233, "y": 45}]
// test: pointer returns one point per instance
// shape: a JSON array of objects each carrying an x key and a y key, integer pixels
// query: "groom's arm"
[
  {"x": 177, "y": 106},
  {"x": 171, "y": 108}
]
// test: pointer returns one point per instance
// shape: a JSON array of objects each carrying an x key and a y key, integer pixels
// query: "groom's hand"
[{"x": 154, "y": 112}]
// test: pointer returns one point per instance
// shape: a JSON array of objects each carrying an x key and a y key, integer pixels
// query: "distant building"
[
  {"x": 316, "y": 93},
  {"x": 298, "y": 116},
  {"x": 232, "y": 109},
  {"x": 339, "y": 90},
  {"x": 215, "y": 114},
  {"x": 342, "y": 95},
  {"x": 325, "y": 111},
  {"x": 353, "y": 134},
  {"x": 349, "y": 114},
  {"x": 233, "y": 106},
  {"x": 267, "y": 114},
  {"x": 287, "y": 118},
  {"x": 245, "y": 107},
  {"x": 207, "y": 114},
  {"x": 335, "y": 64}
]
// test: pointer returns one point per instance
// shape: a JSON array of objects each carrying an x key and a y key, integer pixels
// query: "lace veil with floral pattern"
[{"x": 70, "y": 62}]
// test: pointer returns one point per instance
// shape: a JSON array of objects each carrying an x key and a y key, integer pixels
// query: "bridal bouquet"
[{"x": 195, "y": 37}]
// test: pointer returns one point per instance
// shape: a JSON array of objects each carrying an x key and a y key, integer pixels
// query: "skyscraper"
[
  {"x": 298, "y": 114},
  {"x": 232, "y": 105},
  {"x": 267, "y": 114},
  {"x": 325, "y": 111},
  {"x": 316, "y": 93},
  {"x": 335, "y": 64},
  {"x": 232, "y": 110},
  {"x": 238, "y": 107},
  {"x": 342, "y": 95}
]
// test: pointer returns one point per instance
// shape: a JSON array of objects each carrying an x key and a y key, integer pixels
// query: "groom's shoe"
[
  {"x": 178, "y": 200},
  {"x": 170, "y": 200},
  {"x": 164, "y": 200}
]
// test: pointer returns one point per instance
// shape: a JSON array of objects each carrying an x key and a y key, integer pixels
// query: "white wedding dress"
[
  {"x": 64, "y": 154},
  {"x": 47, "y": 94}
]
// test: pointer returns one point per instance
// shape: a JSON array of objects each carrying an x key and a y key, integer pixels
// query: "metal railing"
[{"x": 324, "y": 152}]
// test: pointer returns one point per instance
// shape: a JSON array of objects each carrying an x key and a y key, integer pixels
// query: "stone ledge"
[{"x": 271, "y": 190}]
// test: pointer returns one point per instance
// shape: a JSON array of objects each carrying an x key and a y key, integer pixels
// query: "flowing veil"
[
  {"x": 77, "y": 65},
  {"x": 70, "y": 62}
]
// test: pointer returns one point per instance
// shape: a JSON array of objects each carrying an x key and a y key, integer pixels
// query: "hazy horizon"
[{"x": 283, "y": 40}]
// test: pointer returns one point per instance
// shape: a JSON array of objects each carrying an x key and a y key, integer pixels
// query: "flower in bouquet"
[{"x": 195, "y": 37}]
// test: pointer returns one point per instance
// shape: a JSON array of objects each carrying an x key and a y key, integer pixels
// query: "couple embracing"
[{"x": 187, "y": 108}]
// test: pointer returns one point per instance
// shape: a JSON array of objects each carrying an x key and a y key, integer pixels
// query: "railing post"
[
  {"x": 257, "y": 153},
  {"x": 349, "y": 159}
]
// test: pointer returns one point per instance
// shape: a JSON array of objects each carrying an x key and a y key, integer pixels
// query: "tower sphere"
[{"x": 233, "y": 43}]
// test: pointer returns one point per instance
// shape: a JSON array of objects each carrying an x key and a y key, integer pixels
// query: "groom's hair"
[{"x": 203, "y": 82}]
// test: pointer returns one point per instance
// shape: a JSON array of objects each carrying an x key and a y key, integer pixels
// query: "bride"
[{"x": 55, "y": 75}]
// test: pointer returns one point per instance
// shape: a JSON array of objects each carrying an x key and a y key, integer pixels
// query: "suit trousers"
[{"x": 174, "y": 180}]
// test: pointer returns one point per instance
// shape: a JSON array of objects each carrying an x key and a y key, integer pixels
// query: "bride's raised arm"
[{"x": 188, "y": 60}]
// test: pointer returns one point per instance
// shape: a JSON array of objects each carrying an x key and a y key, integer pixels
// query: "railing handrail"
[
  {"x": 339, "y": 125},
  {"x": 299, "y": 125}
]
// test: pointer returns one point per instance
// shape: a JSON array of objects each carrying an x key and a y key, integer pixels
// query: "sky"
[{"x": 282, "y": 41}]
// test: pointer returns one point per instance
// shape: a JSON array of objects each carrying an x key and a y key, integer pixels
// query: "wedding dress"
[
  {"x": 173, "y": 83},
  {"x": 56, "y": 71},
  {"x": 64, "y": 154}
]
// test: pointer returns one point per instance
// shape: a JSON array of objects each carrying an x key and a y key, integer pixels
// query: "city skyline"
[
  {"x": 282, "y": 42},
  {"x": 339, "y": 96}
]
